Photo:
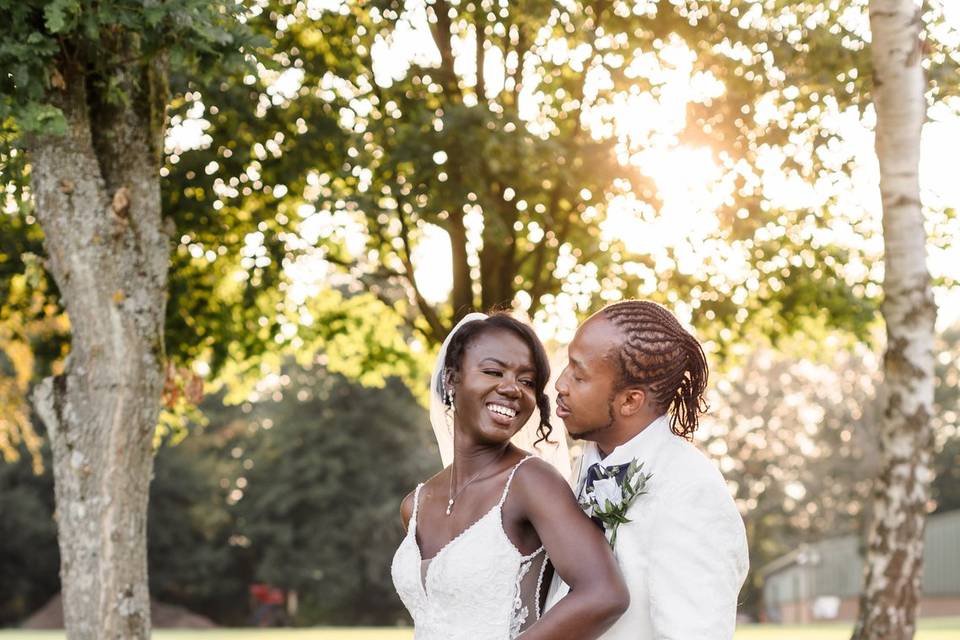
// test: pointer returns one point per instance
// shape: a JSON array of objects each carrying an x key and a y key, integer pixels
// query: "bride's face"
[{"x": 495, "y": 387}]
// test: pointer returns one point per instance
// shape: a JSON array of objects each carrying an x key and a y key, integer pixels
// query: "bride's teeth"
[{"x": 504, "y": 411}]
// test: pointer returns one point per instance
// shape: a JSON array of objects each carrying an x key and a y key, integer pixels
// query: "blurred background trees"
[{"x": 299, "y": 491}]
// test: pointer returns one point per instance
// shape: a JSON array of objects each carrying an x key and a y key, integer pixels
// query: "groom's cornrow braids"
[
  {"x": 501, "y": 320},
  {"x": 659, "y": 354}
]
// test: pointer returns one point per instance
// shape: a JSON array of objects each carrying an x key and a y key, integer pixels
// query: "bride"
[{"x": 479, "y": 533}]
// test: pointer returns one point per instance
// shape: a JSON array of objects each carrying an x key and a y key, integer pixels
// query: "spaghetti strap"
[
  {"x": 412, "y": 525},
  {"x": 506, "y": 487}
]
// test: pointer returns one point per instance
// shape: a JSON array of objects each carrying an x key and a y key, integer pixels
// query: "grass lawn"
[{"x": 930, "y": 629}]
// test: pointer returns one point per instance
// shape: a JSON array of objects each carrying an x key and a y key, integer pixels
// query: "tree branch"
[
  {"x": 479, "y": 24},
  {"x": 523, "y": 47},
  {"x": 437, "y": 329},
  {"x": 442, "y": 37}
]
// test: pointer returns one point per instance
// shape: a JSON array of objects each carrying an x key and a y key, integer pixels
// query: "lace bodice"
[{"x": 477, "y": 587}]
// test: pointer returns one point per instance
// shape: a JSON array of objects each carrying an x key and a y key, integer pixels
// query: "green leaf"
[
  {"x": 55, "y": 14},
  {"x": 44, "y": 119}
]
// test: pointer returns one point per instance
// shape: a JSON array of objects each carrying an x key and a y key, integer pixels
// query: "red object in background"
[{"x": 265, "y": 594}]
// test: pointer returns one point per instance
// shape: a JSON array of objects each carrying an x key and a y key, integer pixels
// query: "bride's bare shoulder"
[
  {"x": 429, "y": 486},
  {"x": 406, "y": 508},
  {"x": 538, "y": 477}
]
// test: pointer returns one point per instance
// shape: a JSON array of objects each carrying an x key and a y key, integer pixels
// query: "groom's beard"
[{"x": 588, "y": 435}]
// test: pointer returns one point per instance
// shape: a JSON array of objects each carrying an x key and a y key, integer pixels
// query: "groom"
[{"x": 633, "y": 389}]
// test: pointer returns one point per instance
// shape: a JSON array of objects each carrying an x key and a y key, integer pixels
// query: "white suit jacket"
[{"x": 684, "y": 552}]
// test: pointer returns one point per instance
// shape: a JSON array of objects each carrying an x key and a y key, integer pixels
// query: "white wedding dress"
[{"x": 477, "y": 587}]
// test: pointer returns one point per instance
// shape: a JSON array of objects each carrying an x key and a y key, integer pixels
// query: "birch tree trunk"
[
  {"x": 97, "y": 194},
  {"x": 888, "y": 606}
]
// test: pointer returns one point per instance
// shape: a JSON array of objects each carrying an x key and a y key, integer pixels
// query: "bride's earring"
[{"x": 448, "y": 413}]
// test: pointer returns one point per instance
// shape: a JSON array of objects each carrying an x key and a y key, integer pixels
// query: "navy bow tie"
[{"x": 597, "y": 471}]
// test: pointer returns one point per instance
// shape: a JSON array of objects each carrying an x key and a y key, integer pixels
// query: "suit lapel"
[{"x": 589, "y": 456}]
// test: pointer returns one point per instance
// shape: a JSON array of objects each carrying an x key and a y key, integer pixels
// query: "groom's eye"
[{"x": 493, "y": 372}]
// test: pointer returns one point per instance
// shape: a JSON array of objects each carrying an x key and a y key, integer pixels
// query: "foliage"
[
  {"x": 316, "y": 169},
  {"x": 32, "y": 336},
  {"x": 796, "y": 439},
  {"x": 301, "y": 489},
  {"x": 119, "y": 54},
  {"x": 29, "y": 557},
  {"x": 39, "y": 39},
  {"x": 946, "y": 484},
  {"x": 191, "y": 560},
  {"x": 232, "y": 299},
  {"x": 263, "y": 494},
  {"x": 522, "y": 163},
  {"x": 793, "y": 436},
  {"x": 229, "y": 312},
  {"x": 319, "y": 504}
]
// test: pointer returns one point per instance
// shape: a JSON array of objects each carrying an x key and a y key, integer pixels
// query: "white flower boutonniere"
[{"x": 608, "y": 499}]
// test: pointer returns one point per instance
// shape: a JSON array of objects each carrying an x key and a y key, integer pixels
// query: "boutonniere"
[{"x": 609, "y": 497}]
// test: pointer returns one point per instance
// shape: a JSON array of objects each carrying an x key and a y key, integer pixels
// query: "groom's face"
[{"x": 586, "y": 387}]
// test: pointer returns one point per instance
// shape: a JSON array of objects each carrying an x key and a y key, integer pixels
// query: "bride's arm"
[{"x": 580, "y": 555}]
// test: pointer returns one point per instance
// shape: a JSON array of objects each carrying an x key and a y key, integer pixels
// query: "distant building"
[{"x": 821, "y": 581}]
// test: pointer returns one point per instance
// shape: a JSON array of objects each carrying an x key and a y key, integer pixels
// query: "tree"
[
  {"x": 519, "y": 162},
  {"x": 507, "y": 141},
  {"x": 894, "y": 559},
  {"x": 325, "y": 464},
  {"x": 794, "y": 432},
  {"x": 299, "y": 487},
  {"x": 191, "y": 560},
  {"x": 28, "y": 555},
  {"x": 242, "y": 295},
  {"x": 81, "y": 158},
  {"x": 84, "y": 89}
]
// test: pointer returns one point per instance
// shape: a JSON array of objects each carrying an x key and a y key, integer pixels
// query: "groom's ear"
[{"x": 632, "y": 401}]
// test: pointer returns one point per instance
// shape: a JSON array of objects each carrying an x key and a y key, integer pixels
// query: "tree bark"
[
  {"x": 479, "y": 24},
  {"x": 894, "y": 559},
  {"x": 97, "y": 192},
  {"x": 461, "y": 297},
  {"x": 462, "y": 294}
]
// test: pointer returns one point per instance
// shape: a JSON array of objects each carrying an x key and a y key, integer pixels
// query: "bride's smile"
[
  {"x": 494, "y": 390},
  {"x": 500, "y": 411}
]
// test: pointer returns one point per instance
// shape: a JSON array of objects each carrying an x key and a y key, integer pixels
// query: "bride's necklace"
[{"x": 454, "y": 496}]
